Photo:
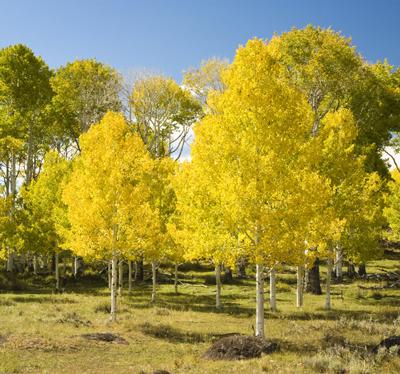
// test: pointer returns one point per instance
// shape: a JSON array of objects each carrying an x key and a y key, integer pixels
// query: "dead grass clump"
[
  {"x": 103, "y": 308},
  {"x": 162, "y": 312},
  {"x": 74, "y": 319},
  {"x": 105, "y": 337},
  {"x": 340, "y": 360},
  {"x": 333, "y": 339},
  {"x": 367, "y": 326},
  {"x": 6, "y": 302},
  {"x": 239, "y": 347},
  {"x": 38, "y": 343}
]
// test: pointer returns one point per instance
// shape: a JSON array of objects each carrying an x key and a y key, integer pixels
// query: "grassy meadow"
[{"x": 41, "y": 331}]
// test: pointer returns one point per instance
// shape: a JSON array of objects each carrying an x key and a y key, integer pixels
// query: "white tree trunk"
[
  {"x": 136, "y": 270},
  {"x": 328, "y": 284},
  {"x": 339, "y": 263},
  {"x": 109, "y": 274},
  {"x": 76, "y": 266},
  {"x": 114, "y": 265},
  {"x": 272, "y": 289},
  {"x": 35, "y": 264},
  {"x": 57, "y": 272},
  {"x": 130, "y": 276},
  {"x": 176, "y": 278},
  {"x": 300, "y": 286},
  {"x": 218, "y": 286},
  {"x": 120, "y": 276},
  {"x": 260, "y": 301},
  {"x": 154, "y": 277},
  {"x": 306, "y": 272},
  {"x": 10, "y": 261}
]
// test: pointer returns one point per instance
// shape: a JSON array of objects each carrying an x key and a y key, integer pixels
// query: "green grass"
[{"x": 41, "y": 331}]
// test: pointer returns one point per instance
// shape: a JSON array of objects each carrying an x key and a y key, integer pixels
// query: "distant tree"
[
  {"x": 44, "y": 214},
  {"x": 206, "y": 80},
  {"x": 84, "y": 90},
  {"x": 163, "y": 114},
  {"x": 24, "y": 135}
]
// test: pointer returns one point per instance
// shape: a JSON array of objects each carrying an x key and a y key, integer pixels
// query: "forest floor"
[{"x": 41, "y": 332}]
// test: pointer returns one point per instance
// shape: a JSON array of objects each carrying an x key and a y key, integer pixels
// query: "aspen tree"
[
  {"x": 254, "y": 154},
  {"x": 106, "y": 194}
]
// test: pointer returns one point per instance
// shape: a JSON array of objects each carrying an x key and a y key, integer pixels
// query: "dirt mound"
[
  {"x": 239, "y": 347},
  {"x": 387, "y": 343},
  {"x": 105, "y": 337}
]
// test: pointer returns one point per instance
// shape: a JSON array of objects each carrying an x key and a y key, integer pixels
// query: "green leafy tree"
[{"x": 84, "y": 90}]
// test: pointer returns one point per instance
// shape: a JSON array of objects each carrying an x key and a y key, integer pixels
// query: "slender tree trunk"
[
  {"x": 154, "y": 278},
  {"x": 228, "y": 276},
  {"x": 362, "y": 271},
  {"x": 13, "y": 188},
  {"x": 176, "y": 278},
  {"x": 260, "y": 301},
  {"x": 114, "y": 271},
  {"x": 305, "y": 282},
  {"x": 76, "y": 266},
  {"x": 300, "y": 286},
  {"x": 272, "y": 289},
  {"x": 120, "y": 276},
  {"x": 57, "y": 272},
  {"x": 10, "y": 261},
  {"x": 129, "y": 276},
  {"x": 241, "y": 266},
  {"x": 136, "y": 271},
  {"x": 140, "y": 271},
  {"x": 218, "y": 286},
  {"x": 29, "y": 162},
  {"x": 109, "y": 265},
  {"x": 328, "y": 284},
  {"x": 35, "y": 265},
  {"x": 314, "y": 282},
  {"x": 339, "y": 264},
  {"x": 351, "y": 271}
]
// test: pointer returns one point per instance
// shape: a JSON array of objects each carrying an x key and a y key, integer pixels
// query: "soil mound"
[
  {"x": 239, "y": 347},
  {"x": 387, "y": 343},
  {"x": 105, "y": 337}
]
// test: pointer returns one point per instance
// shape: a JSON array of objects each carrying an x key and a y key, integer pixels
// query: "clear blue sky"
[{"x": 172, "y": 35}]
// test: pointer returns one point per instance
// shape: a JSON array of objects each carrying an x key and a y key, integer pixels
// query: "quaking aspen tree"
[
  {"x": 106, "y": 194},
  {"x": 256, "y": 152}
]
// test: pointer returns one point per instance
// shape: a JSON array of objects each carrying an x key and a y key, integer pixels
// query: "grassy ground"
[{"x": 40, "y": 331}]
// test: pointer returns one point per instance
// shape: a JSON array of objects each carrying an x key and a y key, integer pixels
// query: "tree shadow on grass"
[
  {"x": 175, "y": 335},
  {"x": 43, "y": 300}
]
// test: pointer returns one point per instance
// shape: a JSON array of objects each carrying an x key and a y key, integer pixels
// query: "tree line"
[{"x": 286, "y": 164}]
